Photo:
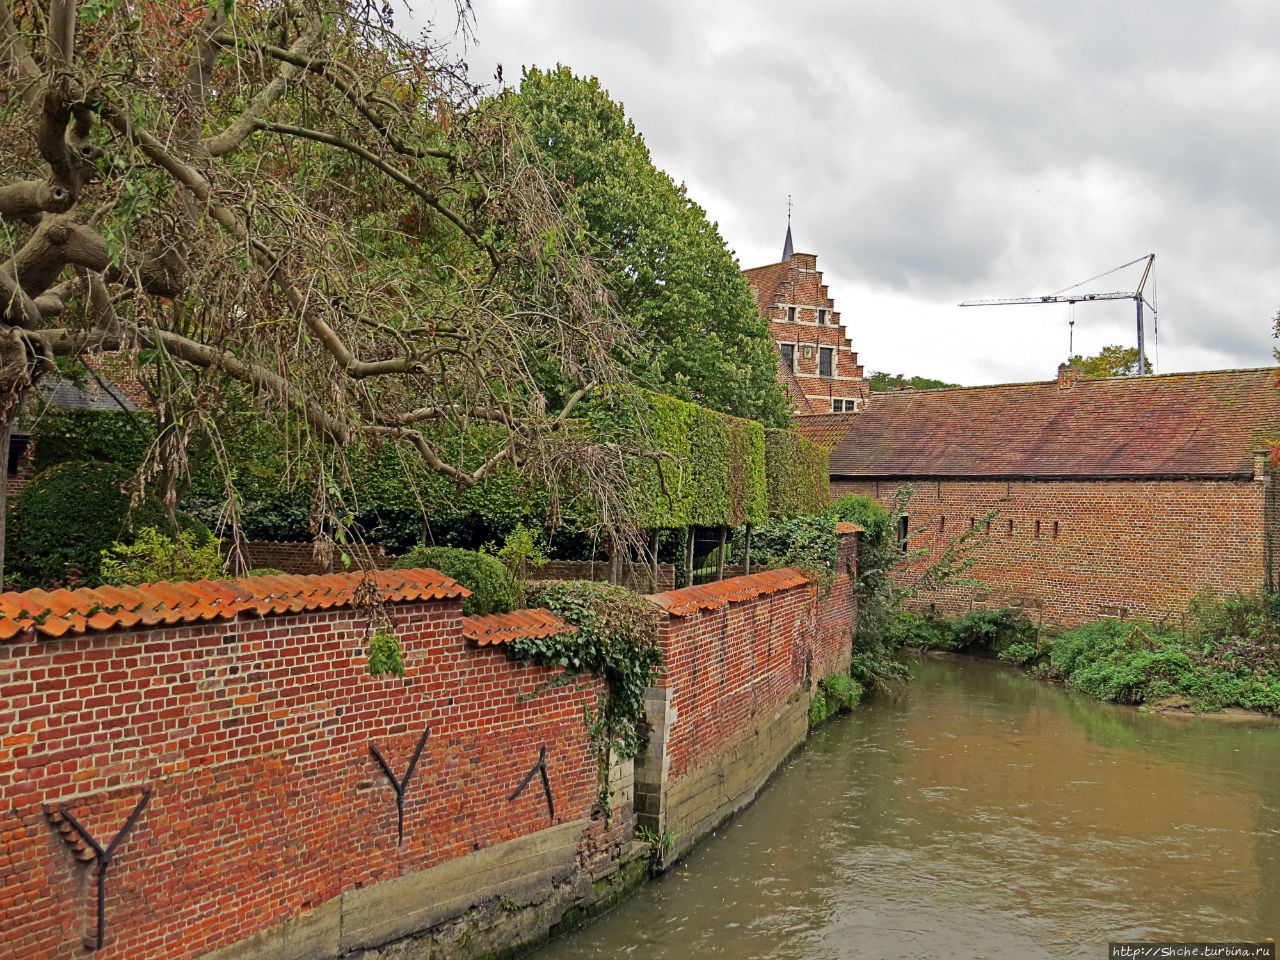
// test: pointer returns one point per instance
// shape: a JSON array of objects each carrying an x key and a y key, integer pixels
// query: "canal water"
[{"x": 979, "y": 813}]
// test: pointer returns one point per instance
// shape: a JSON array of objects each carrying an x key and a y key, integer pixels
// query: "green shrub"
[
  {"x": 265, "y": 572},
  {"x": 992, "y": 631},
  {"x": 808, "y": 543},
  {"x": 483, "y": 575},
  {"x": 69, "y": 514},
  {"x": 835, "y": 694},
  {"x": 923, "y": 630},
  {"x": 384, "y": 654},
  {"x": 154, "y": 557}
]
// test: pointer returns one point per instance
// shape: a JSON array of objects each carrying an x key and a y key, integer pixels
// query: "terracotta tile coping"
[
  {"x": 687, "y": 601},
  {"x": 59, "y": 613},
  {"x": 497, "y": 628}
]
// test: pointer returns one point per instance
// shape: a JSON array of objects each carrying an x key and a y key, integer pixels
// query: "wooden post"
[
  {"x": 746, "y": 553},
  {"x": 720, "y": 573},
  {"x": 688, "y": 560},
  {"x": 654, "y": 545}
]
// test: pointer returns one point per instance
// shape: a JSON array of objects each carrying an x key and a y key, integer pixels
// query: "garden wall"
[
  {"x": 244, "y": 713},
  {"x": 741, "y": 659},
  {"x": 1069, "y": 552},
  {"x": 270, "y": 829},
  {"x": 300, "y": 559}
]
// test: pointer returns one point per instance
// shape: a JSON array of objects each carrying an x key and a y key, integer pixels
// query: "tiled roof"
[
  {"x": 824, "y": 429},
  {"x": 791, "y": 386},
  {"x": 1185, "y": 424},
  {"x": 57, "y": 613},
  {"x": 766, "y": 281},
  {"x": 60, "y": 393},
  {"x": 687, "y": 601},
  {"x": 844, "y": 528},
  {"x": 496, "y": 628}
]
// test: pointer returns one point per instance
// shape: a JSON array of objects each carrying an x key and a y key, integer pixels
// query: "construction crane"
[{"x": 1065, "y": 296}]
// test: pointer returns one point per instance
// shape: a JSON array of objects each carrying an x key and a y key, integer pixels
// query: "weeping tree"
[{"x": 291, "y": 209}]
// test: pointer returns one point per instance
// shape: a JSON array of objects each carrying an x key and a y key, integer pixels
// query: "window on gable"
[
  {"x": 837, "y": 406},
  {"x": 788, "y": 355},
  {"x": 825, "y": 361},
  {"x": 791, "y": 314},
  {"x": 822, "y": 315}
]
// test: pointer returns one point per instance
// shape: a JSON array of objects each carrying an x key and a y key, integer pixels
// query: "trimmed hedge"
[
  {"x": 483, "y": 575},
  {"x": 69, "y": 514},
  {"x": 796, "y": 473},
  {"x": 707, "y": 469}
]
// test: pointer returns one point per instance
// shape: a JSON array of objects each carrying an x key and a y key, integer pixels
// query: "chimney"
[{"x": 1069, "y": 374}]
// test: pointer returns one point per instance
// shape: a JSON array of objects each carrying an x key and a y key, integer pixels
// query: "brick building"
[
  {"x": 1115, "y": 497},
  {"x": 817, "y": 365}
]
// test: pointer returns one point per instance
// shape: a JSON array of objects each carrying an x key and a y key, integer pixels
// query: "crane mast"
[{"x": 1063, "y": 296}]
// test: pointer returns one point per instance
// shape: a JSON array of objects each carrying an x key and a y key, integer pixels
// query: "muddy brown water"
[{"x": 978, "y": 813}]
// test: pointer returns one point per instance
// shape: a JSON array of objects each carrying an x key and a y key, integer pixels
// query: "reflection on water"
[{"x": 979, "y": 814}]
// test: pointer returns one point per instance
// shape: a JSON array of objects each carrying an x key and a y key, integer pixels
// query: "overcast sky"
[{"x": 943, "y": 151}]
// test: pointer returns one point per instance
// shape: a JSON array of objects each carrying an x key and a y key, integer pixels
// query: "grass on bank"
[{"x": 1225, "y": 654}]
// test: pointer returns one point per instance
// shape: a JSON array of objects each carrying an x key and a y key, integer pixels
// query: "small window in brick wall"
[
  {"x": 1055, "y": 529},
  {"x": 788, "y": 355},
  {"x": 904, "y": 528},
  {"x": 942, "y": 524},
  {"x": 1037, "y": 529},
  {"x": 824, "y": 361},
  {"x": 791, "y": 314},
  {"x": 1010, "y": 533},
  {"x": 822, "y": 315}
]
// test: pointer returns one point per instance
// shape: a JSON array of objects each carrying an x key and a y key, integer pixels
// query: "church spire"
[{"x": 787, "y": 249}]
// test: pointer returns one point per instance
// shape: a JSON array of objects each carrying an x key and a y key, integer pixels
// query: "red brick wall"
[
  {"x": 731, "y": 668},
  {"x": 1080, "y": 550},
  {"x": 300, "y": 558},
  {"x": 254, "y": 739}
]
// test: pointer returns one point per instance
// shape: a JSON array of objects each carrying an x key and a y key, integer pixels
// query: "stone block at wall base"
[
  {"x": 700, "y": 801},
  {"x": 492, "y": 900}
]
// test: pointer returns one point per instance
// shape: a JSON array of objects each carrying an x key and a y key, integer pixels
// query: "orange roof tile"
[
  {"x": 496, "y": 628},
  {"x": 687, "y": 601},
  {"x": 60, "y": 612},
  {"x": 844, "y": 528}
]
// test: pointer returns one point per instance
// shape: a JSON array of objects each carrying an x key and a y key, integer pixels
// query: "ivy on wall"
[
  {"x": 796, "y": 475},
  {"x": 689, "y": 465}
]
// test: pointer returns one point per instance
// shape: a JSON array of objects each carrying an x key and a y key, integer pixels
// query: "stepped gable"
[
  {"x": 1205, "y": 424},
  {"x": 498, "y": 628},
  {"x": 58, "y": 613}
]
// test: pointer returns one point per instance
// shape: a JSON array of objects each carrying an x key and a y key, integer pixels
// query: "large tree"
[
  {"x": 699, "y": 334},
  {"x": 291, "y": 206},
  {"x": 1111, "y": 361}
]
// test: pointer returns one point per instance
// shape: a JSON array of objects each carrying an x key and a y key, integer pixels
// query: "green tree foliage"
[
  {"x": 701, "y": 336},
  {"x": 67, "y": 516},
  {"x": 154, "y": 557},
  {"x": 882, "y": 382},
  {"x": 1111, "y": 361},
  {"x": 483, "y": 575},
  {"x": 305, "y": 213}
]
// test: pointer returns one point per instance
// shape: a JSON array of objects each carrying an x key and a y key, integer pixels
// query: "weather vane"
[{"x": 788, "y": 209}]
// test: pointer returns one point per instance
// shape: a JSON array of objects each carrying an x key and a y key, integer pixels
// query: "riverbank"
[{"x": 1222, "y": 661}]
